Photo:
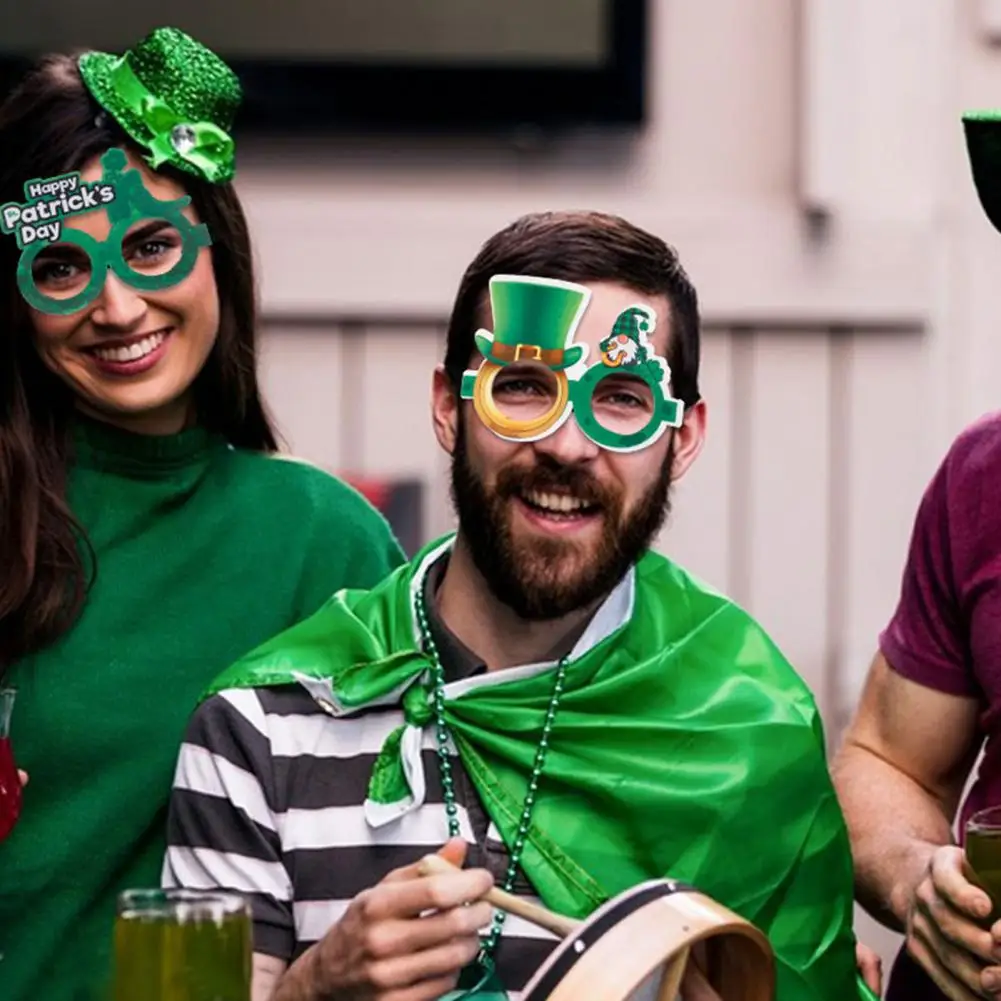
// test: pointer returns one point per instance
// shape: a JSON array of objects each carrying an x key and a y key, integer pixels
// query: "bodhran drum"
[{"x": 637, "y": 946}]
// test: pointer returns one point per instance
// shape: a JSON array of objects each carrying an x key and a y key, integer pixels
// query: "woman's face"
[{"x": 130, "y": 356}]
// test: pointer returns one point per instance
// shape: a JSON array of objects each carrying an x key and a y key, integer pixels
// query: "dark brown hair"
[
  {"x": 582, "y": 247},
  {"x": 50, "y": 125}
]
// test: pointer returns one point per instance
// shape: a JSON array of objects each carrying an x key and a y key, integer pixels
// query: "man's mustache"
[{"x": 544, "y": 477}]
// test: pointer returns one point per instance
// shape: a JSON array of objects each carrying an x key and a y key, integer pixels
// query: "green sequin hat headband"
[
  {"x": 983, "y": 144},
  {"x": 174, "y": 97}
]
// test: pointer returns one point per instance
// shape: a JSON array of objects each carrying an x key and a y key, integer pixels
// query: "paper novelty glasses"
[
  {"x": 152, "y": 245},
  {"x": 534, "y": 375}
]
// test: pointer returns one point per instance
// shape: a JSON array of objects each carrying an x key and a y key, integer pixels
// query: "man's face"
[{"x": 552, "y": 525}]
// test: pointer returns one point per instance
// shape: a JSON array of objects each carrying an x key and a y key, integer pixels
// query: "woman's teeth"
[{"x": 132, "y": 352}]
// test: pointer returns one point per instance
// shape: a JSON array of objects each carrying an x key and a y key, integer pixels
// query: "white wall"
[{"x": 837, "y": 367}]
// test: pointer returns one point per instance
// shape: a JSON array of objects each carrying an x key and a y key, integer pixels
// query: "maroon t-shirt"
[{"x": 946, "y": 631}]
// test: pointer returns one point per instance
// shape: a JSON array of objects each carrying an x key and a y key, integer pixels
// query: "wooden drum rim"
[{"x": 701, "y": 919}]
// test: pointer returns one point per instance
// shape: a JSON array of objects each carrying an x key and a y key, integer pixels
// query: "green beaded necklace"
[{"x": 485, "y": 959}]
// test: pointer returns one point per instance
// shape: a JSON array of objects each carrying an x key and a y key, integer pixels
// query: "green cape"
[{"x": 685, "y": 746}]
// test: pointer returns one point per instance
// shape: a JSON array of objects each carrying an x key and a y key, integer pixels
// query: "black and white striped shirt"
[{"x": 268, "y": 800}]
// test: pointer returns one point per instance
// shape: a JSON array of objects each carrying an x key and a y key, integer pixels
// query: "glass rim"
[
  {"x": 182, "y": 902},
  {"x": 988, "y": 818},
  {"x": 8, "y": 696}
]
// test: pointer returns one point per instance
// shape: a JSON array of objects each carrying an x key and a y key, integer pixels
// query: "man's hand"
[
  {"x": 23, "y": 776},
  {"x": 945, "y": 932},
  {"x": 694, "y": 985},
  {"x": 406, "y": 938},
  {"x": 870, "y": 966}
]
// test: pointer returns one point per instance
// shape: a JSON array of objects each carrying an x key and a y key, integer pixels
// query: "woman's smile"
[{"x": 130, "y": 356}]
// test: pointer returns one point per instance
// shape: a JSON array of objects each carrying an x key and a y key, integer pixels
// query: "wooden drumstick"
[{"x": 541, "y": 916}]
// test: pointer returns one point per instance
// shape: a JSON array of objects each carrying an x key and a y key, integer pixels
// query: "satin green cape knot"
[{"x": 685, "y": 747}]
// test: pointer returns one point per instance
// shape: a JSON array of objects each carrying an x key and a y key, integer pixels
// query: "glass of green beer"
[
  {"x": 182, "y": 945},
  {"x": 983, "y": 852}
]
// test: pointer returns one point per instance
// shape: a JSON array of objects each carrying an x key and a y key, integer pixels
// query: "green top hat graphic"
[
  {"x": 173, "y": 96},
  {"x": 534, "y": 320},
  {"x": 983, "y": 145}
]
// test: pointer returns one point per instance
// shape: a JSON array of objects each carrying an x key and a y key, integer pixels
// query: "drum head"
[{"x": 624, "y": 951}]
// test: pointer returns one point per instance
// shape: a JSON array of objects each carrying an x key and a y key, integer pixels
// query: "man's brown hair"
[{"x": 582, "y": 247}]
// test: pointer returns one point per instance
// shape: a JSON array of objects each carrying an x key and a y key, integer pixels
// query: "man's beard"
[{"x": 547, "y": 578}]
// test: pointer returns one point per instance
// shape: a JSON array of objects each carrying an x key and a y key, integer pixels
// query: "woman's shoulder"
[
  {"x": 348, "y": 540},
  {"x": 295, "y": 482}
]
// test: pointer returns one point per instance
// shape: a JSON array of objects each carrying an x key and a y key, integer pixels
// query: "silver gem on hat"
[{"x": 182, "y": 138}]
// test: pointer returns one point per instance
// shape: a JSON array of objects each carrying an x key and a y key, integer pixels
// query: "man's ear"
[
  {"x": 689, "y": 439},
  {"x": 445, "y": 405}
]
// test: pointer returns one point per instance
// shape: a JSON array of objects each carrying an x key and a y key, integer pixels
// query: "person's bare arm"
[
  {"x": 899, "y": 776},
  {"x": 298, "y": 982},
  {"x": 268, "y": 972}
]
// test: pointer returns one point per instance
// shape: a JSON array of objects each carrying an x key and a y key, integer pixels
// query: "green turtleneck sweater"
[{"x": 203, "y": 552}]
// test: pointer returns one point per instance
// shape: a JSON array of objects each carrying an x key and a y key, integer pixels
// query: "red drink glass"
[{"x": 10, "y": 783}]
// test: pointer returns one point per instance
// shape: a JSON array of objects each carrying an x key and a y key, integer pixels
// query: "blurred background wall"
[{"x": 806, "y": 158}]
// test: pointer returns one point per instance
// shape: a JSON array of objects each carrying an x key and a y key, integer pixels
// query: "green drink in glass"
[
  {"x": 182, "y": 945},
  {"x": 983, "y": 852}
]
